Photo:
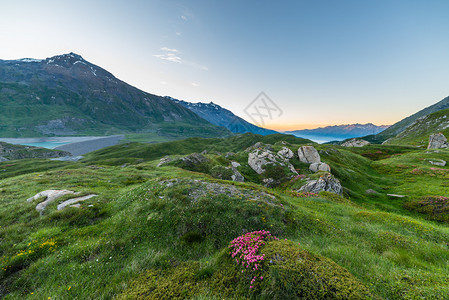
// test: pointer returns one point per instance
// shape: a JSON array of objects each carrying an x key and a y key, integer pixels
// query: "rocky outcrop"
[
  {"x": 320, "y": 166},
  {"x": 12, "y": 152},
  {"x": 308, "y": 154},
  {"x": 194, "y": 159},
  {"x": 327, "y": 183},
  {"x": 286, "y": 153},
  {"x": 355, "y": 143},
  {"x": 437, "y": 141},
  {"x": 259, "y": 158},
  {"x": 164, "y": 160}
]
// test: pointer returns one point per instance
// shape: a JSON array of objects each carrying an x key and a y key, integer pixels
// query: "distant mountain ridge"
[
  {"x": 220, "y": 116},
  {"x": 400, "y": 126},
  {"x": 340, "y": 132},
  {"x": 67, "y": 95}
]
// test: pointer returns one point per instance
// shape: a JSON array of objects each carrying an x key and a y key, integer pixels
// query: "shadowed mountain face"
[
  {"x": 220, "y": 116},
  {"x": 400, "y": 126},
  {"x": 67, "y": 95}
]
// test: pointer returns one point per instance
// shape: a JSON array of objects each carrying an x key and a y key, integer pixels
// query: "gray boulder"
[
  {"x": 438, "y": 162},
  {"x": 327, "y": 183},
  {"x": 285, "y": 152},
  {"x": 437, "y": 141},
  {"x": 3, "y": 159},
  {"x": 320, "y": 166},
  {"x": 237, "y": 176},
  {"x": 235, "y": 164},
  {"x": 308, "y": 154},
  {"x": 355, "y": 143}
]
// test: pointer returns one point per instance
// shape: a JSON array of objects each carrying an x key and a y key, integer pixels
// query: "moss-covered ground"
[{"x": 164, "y": 232}]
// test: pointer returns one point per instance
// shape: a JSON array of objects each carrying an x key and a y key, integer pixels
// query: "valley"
[{"x": 149, "y": 197}]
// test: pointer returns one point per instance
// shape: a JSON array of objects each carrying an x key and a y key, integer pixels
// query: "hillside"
[
  {"x": 400, "y": 126},
  {"x": 339, "y": 132},
  {"x": 14, "y": 152},
  {"x": 178, "y": 231},
  {"x": 417, "y": 133},
  {"x": 220, "y": 116},
  {"x": 67, "y": 95}
]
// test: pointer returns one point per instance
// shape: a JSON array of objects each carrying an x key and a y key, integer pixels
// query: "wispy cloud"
[
  {"x": 163, "y": 82},
  {"x": 195, "y": 84},
  {"x": 178, "y": 33},
  {"x": 184, "y": 18},
  {"x": 171, "y": 54},
  {"x": 169, "y": 49}
]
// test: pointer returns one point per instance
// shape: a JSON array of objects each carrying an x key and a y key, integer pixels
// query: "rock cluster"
[
  {"x": 326, "y": 183},
  {"x": 437, "y": 141},
  {"x": 309, "y": 155},
  {"x": 259, "y": 158}
]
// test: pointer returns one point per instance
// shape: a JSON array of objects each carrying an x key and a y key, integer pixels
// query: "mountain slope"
[
  {"x": 67, "y": 95},
  {"x": 400, "y": 126},
  {"x": 417, "y": 133},
  {"x": 220, "y": 116},
  {"x": 339, "y": 132}
]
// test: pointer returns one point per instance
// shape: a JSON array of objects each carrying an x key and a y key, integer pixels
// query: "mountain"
[
  {"x": 220, "y": 116},
  {"x": 417, "y": 133},
  {"x": 400, "y": 126},
  {"x": 67, "y": 95},
  {"x": 338, "y": 132}
]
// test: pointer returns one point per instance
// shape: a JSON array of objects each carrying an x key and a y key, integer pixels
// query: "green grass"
[
  {"x": 166, "y": 229},
  {"x": 417, "y": 134}
]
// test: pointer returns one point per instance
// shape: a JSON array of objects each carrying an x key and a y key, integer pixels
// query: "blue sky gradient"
[{"x": 321, "y": 62}]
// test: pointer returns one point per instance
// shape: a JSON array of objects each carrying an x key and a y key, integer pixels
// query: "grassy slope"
[
  {"x": 418, "y": 133},
  {"x": 136, "y": 224},
  {"x": 400, "y": 126}
]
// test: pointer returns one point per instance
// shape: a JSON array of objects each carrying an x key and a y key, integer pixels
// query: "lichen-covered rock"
[
  {"x": 437, "y": 141},
  {"x": 327, "y": 183},
  {"x": 258, "y": 159},
  {"x": 355, "y": 143},
  {"x": 320, "y": 166},
  {"x": 285, "y": 152},
  {"x": 308, "y": 154}
]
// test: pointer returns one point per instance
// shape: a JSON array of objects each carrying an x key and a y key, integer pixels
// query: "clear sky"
[{"x": 321, "y": 62}]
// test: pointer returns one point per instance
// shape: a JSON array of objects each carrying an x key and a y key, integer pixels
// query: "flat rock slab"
[
  {"x": 50, "y": 196},
  {"x": 75, "y": 201},
  {"x": 396, "y": 196}
]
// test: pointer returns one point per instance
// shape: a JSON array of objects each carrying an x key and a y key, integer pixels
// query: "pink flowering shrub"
[{"x": 245, "y": 250}]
